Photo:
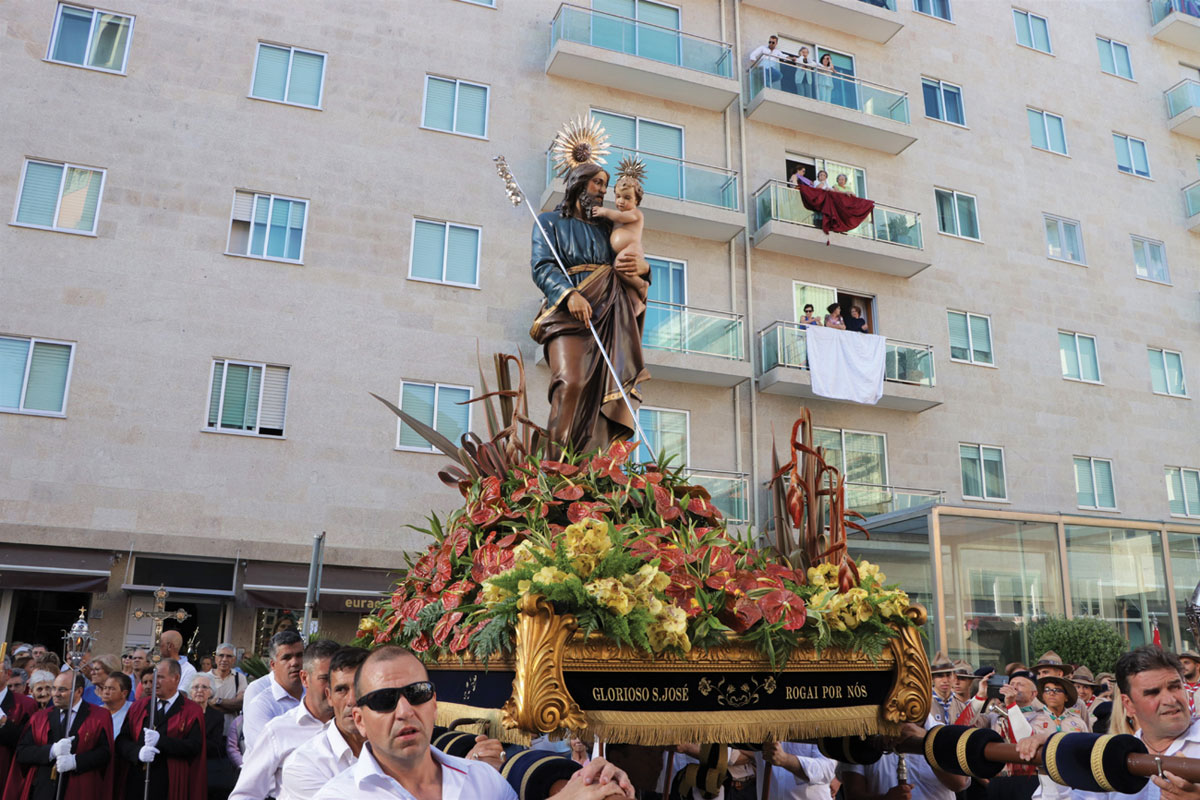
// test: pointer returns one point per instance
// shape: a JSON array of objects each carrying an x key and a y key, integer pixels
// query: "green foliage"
[
  {"x": 254, "y": 667},
  {"x": 1084, "y": 640}
]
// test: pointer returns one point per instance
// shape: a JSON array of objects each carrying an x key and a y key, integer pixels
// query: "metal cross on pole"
[{"x": 159, "y": 615}]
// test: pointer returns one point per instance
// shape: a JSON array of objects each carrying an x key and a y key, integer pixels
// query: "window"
[
  {"x": 861, "y": 456},
  {"x": 34, "y": 375},
  {"x": 1166, "y": 372},
  {"x": 91, "y": 38},
  {"x": 455, "y": 106},
  {"x": 934, "y": 8},
  {"x": 247, "y": 398},
  {"x": 667, "y": 432},
  {"x": 444, "y": 252},
  {"x": 1131, "y": 155},
  {"x": 664, "y": 176},
  {"x": 943, "y": 101},
  {"x": 1150, "y": 260},
  {"x": 1063, "y": 240},
  {"x": 438, "y": 405},
  {"x": 59, "y": 197},
  {"x": 1183, "y": 491},
  {"x": 956, "y": 214},
  {"x": 1077, "y": 354},
  {"x": 1046, "y": 130},
  {"x": 982, "y": 472},
  {"x": 1032, "y": 31},
  {"x": 288, "y": 75},
  {"x": 267, "y": 226},
  {"x": 1114, "y": 58},
  {"x": 1094, "y": 483},
  {"x": 970, "y": 337}
]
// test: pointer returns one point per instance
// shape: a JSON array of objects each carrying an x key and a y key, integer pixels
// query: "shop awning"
[
  {"x": 353, "y": 590},
  {"x": 60, "y": 569}
]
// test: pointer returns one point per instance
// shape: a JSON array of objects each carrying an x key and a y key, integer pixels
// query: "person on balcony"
[
  {"x": 824, "y": 74},
  {"x": 843, "y": 185},
  {"x": 769, "y": 54},
  {"x": 822, "y": 181},
  {"x": 833, "y": 319},
  {"x": 807, "y": 75},
  {"x": 857, "y": 322},
  {"x": 809, "y": 318}
]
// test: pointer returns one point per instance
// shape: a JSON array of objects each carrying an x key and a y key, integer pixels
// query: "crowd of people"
[
  {"x": 335, "y": 722},
  {"x": 797, "y": 73},
  {"x": 834, "y": 319}
]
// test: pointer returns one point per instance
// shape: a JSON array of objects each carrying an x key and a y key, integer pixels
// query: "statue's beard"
[{"x": 586, "y": 201}]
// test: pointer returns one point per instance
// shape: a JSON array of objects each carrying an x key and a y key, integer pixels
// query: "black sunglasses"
[{"x": 383, "y": 701}]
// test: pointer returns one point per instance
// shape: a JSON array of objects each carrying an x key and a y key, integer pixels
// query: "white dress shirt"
[
  {"x": 315, "y": 763},
  {"x": 118, "y": 719},
  {"x": 881, "y": 776},
  {"x": 254, "y": 687},
  {"x": 461, "y": 780},
  {"x": 785, "y": 785},
  {"x": 1187, "y": 745},
  {"x": 273, "y": 701},
  {"x": 763, "y": 50},
  {"x": 187, "y": 672},
  {"x": 263, "y": 765}
]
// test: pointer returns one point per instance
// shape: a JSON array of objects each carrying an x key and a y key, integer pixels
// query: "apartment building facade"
[{"x": 229, "y": 224}]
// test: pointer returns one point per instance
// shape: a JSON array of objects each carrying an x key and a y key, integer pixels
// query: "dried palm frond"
[{"x": 580, "y": 141}]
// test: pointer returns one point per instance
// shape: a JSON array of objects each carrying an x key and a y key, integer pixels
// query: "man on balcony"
[{"x": 769, "y": 54}]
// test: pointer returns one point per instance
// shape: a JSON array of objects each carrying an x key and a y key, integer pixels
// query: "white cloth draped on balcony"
[{"x": 846, "y": 365}]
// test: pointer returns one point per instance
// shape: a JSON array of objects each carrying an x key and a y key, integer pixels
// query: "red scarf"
[
  {"x": 187, "y": 779},
  {"x": 95, "y": 728}
]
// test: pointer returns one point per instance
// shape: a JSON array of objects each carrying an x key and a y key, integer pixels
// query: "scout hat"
[
  {"x": 1064, "y": 684},
  {"x": 963, "y": 670},
  {"x": 941, "y": 664},
  {"x": 1082, "y": 675},
  {"x": 1051, "y": 659},
  {"x": 1192, "y": 654}
]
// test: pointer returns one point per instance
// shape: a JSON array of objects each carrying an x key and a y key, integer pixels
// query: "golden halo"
[
  {"x": 632, "y": 168},
  {"x": 581, "y": 141}
]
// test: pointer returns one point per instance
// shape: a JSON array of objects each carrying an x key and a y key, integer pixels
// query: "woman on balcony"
[
  {"x": 808, "y": 318},
  {"x": 825, "y": 79},
  {"x": 834, "y": 318}
]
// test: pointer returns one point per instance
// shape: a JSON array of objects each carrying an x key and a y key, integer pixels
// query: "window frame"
[
  {"x": 1129, "y": 150},
  {"x": 1187, "y": 512},
  {"x": 287, "y": 82},
  {"x": 971, "y": 338},
  {"x": 1046, "y": 131},
  {"x": 446, "y": 224},
  {"x": 955, "y": 194},
  {"x": 483, "y": 3},
  {"x": 1144, "y": 241},
  {"x": 34, "y": 412},
  {"x": 930, "y": 14},
  {"x": 67, "y": 166},
  {"x": 1029, "y": 15},
  {"x": 687, "y": 430},
  {"x": 842, "y": 435},
  {"x": 1079, "y": 360},
  {"x": 982, "y": 481},
  {"x": 1061, "y": 221},
  {"x": 487, "y": 106},
  {"x": 262, "y": 377},
  {"x": 1162, "y": 353},
  {"x": 273, "y": 197},
  {"x": 637, "y": 132},
  {"x": 1111, "y": 42},
  {"x": 56, "y": 28},
  {"x": 437, "y": 389},
  {"x": 1092, "y": 471},
  {"x": 941, "y": 88}
]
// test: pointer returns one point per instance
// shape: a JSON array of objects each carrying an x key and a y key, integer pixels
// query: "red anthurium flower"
[
  {"x": 509, "y": 540},
  {"x": 719, "y": 558},
  {"x": 454, "y": 594},
  {"x": 490, "y": 560},
  {"x": 484, "y": 516},
  {"x": 410, "y": 609},
  {"x": 664, "y": 504},
  {"x": 445, "y": 625},
  {"x": 569, "y": 492},
  {"x": 620, "y": 451},
  {"x": 703, "y": 508},
  {"x": 424, "y": 566},
  {"x": 444, "y": 571},
  {"x": 420, "y": 644},
  {"x": 491, "y": 490},
  {"x": 530, "y": 484},
  {"x": 581, "y": 511},
  {"x": 559, "y": 468},
  {"x": 785, "y": 605},
  {"x": 459, "y": 540},
  {"x": 652, "y": 476},
  {"x": 740, "y": 613},
  {"x": 462, "y": 635}
]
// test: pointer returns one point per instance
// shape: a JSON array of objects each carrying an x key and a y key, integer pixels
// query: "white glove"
[
  {"x": 65, "y": 763},
  {"x": 61, "y": 748},
  {"x": 147, "y": 754},
  {"x": 151, "y": 737}
]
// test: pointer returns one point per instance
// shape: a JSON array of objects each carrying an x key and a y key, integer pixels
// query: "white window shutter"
[
  {"x": 274, "y": 398},
  {"x": 243, "y": 206}
]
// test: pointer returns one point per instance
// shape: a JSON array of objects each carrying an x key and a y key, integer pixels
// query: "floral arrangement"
[{"x": 636, "y": 554}]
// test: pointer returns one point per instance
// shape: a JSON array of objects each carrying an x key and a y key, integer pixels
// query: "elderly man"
[
  {"x": 263, "y": 764},
  {"x": 50, "y": 753},
  {"x": 172, "y": 749},
  {"x": 394, "y": 710},
  {"x": 229, "y": 685},
  {"x": 282, "y": 689},
  {"x": 15, "y": 711},
  {"x": 1012, "y": 717},
  {"x": 170, "y": 643}
]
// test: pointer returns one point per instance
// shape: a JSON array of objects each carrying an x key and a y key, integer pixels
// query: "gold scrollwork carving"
[
  {"x": 540, "y": 700},
  {"x": 912, "y": 692}
]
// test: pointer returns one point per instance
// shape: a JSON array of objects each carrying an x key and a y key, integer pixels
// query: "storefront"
[{"x": 42, "y": 590}]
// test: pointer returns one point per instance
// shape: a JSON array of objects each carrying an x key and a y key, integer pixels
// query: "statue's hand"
[
  {"x": 579, "y": 307},
  {"x": 598, "y": 212}
]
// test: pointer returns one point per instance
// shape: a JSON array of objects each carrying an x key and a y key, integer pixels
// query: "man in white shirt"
[
  {"x": 1151, "y": 684},
  {"x": 170, "y": 643},
  {"x": 283, "y": 688},
  {"x": 229, "y": 685},
  {"x": 770, "y": 64},
  {"x": 798, "y": 771},
  {"x": 880, "y": 780},
  {"x": 263, "y": 765}
]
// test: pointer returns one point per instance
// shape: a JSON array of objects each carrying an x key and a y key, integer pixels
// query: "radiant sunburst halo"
[
  {"x": 632, "y": 168},
  {"x": 581, "y": 141}
]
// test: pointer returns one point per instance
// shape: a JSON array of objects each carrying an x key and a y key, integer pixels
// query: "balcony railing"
[
  {"x": 1191, "y": 198},
  {"x": 1182, "y": 96},
  {"x": 835, "y": 89},
  {"x": 644, "y": 39},
  {"x": 776, "y": 200},
  {"x": 675, "y": 178},
  {"x": 871, "y": 499},
  {"x": 784, "y": 344},
  {"x": 729, "y": 490},
  {"x": 693, "y": 330},
  {"x": 1159, "y": 9}
]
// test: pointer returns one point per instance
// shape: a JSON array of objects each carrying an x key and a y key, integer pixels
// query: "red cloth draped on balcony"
[{"x": 840, "y": 211}]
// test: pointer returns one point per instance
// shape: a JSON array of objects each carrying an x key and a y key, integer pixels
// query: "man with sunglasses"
[
  {"x": 395, "y": 711},
  {"x": 263, "y": 765}
]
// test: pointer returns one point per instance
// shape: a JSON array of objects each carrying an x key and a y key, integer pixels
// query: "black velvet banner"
[{"x": 490, "y": 689}]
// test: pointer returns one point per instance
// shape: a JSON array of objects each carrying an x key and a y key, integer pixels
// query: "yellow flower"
[
  {"x": 652, "y": 604},
  {"x": 548, "y": 575},
  {"x": 823, "y": 575},
  {"x": 523, "y": 587},
  {"x": 523, "y": 553},
  {"x": 587, "y": 543},
  {"x": 642, "y": 582},
  {"x": 609, "y": 592},
  {"x": 672, "y": 619},
  {"x": 868, "y": 570},
  {"x": 491, "y": 594},
  {"x": 368, "y": 624},
  {"x": 661, "y": 639}
]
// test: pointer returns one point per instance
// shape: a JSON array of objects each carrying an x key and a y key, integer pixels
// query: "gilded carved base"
[
  {"x": 540, "y": 702},
  {"x": 912, "y": 691}
]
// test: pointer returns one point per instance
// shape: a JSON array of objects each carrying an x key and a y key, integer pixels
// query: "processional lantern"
[
  {"x": 1193, "y": 614},
  {"x": 78, "y": 641}
]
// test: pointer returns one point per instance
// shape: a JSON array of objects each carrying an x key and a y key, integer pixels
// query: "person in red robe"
[
  {"x": 15, "y": 711},
  {"x": 49, "y": 754},
  {"x": 171, "y": 750}
]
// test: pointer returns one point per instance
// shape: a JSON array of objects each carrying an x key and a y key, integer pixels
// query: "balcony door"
[
  {"x": 658, "y": 38},
  {"x": 667, "y": 432},
  {"x": 664, "y": 310},
  {"x": 658, "y": 144}
]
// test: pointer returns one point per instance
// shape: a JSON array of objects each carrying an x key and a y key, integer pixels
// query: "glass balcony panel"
[
  {"x": 729, "y": 492},
  {"x": 784, "y": 345},
  {"x": 909, "y": 363},
  {"x": 871, "y": 500},
  {"x": 837, "y": 89},
  {"x": 692, "y": 330},
  {"x": 674, "y": 178},
  {"x": 778, "y": 201},
  {"x": 1183, "y": 96},
  {"x": 1159, "y": 9},
  {"x": 1191, "y": 195}
]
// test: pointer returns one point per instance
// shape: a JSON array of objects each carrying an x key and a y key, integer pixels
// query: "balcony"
[
  {"x": 1176, "y": 22},
  {"x": 889, "y": 241},
  {"x": 873, "y": 20},
  {"x": 1183, "y": 108},
  {"x": 872, "y": 500},
  {"x": 730, "y": 492},
  {"x": 1191, "y": 200},
  {"x": 694, "y": 345},
  {"x": 908, "y": 380},
  {"x": 639, "y": 57},
  {"x": 837, "y": 107},
  {"x": 680, "y": 196}
]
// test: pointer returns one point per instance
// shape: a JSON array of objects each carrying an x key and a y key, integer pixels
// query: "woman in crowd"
[
  {"x": 834, "y": 318},
  {"x": 98, "y": 671},
  {"x": 857, "y": 322},
  {"x": 206, "y": 664},
  {"x": 221, "y": 775},
  {"x": 41, "y": 686},
  {"x": 825, "y": 79},
  {"x": 822, "y": 180},
  {"x": 809, "y": 318},
  {"x": 843, "y": 185}
]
